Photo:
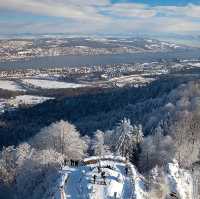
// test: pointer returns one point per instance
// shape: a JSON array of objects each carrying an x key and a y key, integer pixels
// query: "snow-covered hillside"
[
  {"x": 49, "y": 84},
  {"x": 10, "y": 85},
  {"x": 86, "y": 181},
  {"x": 27, "y": 99},
  {"x": 180, "y": 181},
  {"x": 15, "y": 102}
]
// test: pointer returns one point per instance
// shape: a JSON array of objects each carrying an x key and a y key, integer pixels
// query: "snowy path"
[
  {"x": 71, "y": 188},
  {"x": 127, "y": 186},
  {"x": 127, "y": 189},
  {"x": 99, "y": 192}
]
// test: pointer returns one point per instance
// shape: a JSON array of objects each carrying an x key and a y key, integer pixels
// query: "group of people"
[
  {"x": 103, "y": 176},
  {"x": 73, "y": 163}
]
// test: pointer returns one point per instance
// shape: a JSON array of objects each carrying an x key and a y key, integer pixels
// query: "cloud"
[
  {"x": 130, "y": 10},
  {"x": 94, "y": 16},
  {"x": 189, "y": 10},
  {"x": 67, "y": 9},
  {"x": 177, "y": 26},
  {"x": 192, "y": 10}
]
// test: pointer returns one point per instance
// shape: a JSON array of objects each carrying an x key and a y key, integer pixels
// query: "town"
[{"x": 14, "y": 49}]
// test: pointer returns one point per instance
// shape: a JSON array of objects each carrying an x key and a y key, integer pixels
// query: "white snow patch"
[
  {"x": 180, "y": 181},
  {"x": 10, "y": 85},
  {"x": 106, "y": 157},
  {"x": 27, "y": 99},
  {"x": 48, "y": 84},
  {"x": 194, "y": 64},
  {"x": 131, "y": 79},
  {"x": 15, "y": 102}
]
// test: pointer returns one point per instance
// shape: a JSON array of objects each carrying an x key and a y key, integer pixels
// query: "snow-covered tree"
[
  {"x": 187, "y": 139},
  {"x": 63, "y": 138},
  {"x": 123, "y": 142},
  {"x": 36, "y": 175},
  {"x": 138, "y": 134},
  {"x": 11, "y": 159},
  {"x": 156, "y": 150},
  {"x": 30, "y": 170},
  {"x": 158, "y": 186},
  {"x": 47, "y": 157},
  {"x": 23, "y": 152},
  {"x": 98, "y": 144},
  {"x": 7, "y": 165},
  {"x": 127, "y": 138}
]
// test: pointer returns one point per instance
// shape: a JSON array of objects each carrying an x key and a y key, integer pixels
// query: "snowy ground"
[
  {"x": 10, "y": 85},
  {"x": 180, "y": 181},
  {"x": 78, "y": 183},
  {"x": 50, "y": 84},
  {"x": 131, "y": 79},
  {"x": 27, "y": 99},
  {"x": 7, "y": 104}
]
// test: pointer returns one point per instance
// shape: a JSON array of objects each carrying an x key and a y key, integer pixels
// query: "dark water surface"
[{"x": 64, "y": 61}]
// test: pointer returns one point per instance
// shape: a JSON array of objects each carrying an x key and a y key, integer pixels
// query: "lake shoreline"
[{"x": 83, "y": 60}]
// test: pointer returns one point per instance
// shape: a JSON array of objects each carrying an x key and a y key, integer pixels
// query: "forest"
[
  {"x": 90, "y": 111},
  {"x": 151, "y": 126}
]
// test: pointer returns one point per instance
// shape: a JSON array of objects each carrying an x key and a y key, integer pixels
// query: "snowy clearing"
[
  {"x": 15, "y": 102},
  {"x": 10, "y": 85},
  {"x": 132, "y": 79},
  {"x": 88, "y": 181},
  {"x": 28, "y": 100},
  {"x": 48, "y": 84},
  {"x": 79, "y": 182}
]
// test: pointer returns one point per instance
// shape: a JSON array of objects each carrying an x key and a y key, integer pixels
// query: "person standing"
[
  {"x": 94, "y": 178},
  {"x": 126, "y": 170}
]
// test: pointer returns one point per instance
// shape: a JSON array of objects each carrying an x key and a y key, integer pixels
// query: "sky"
[{"x": 100, "y": 17}]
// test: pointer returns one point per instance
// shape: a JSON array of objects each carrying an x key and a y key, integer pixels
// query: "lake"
[{"x": 64, "y": 61}]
